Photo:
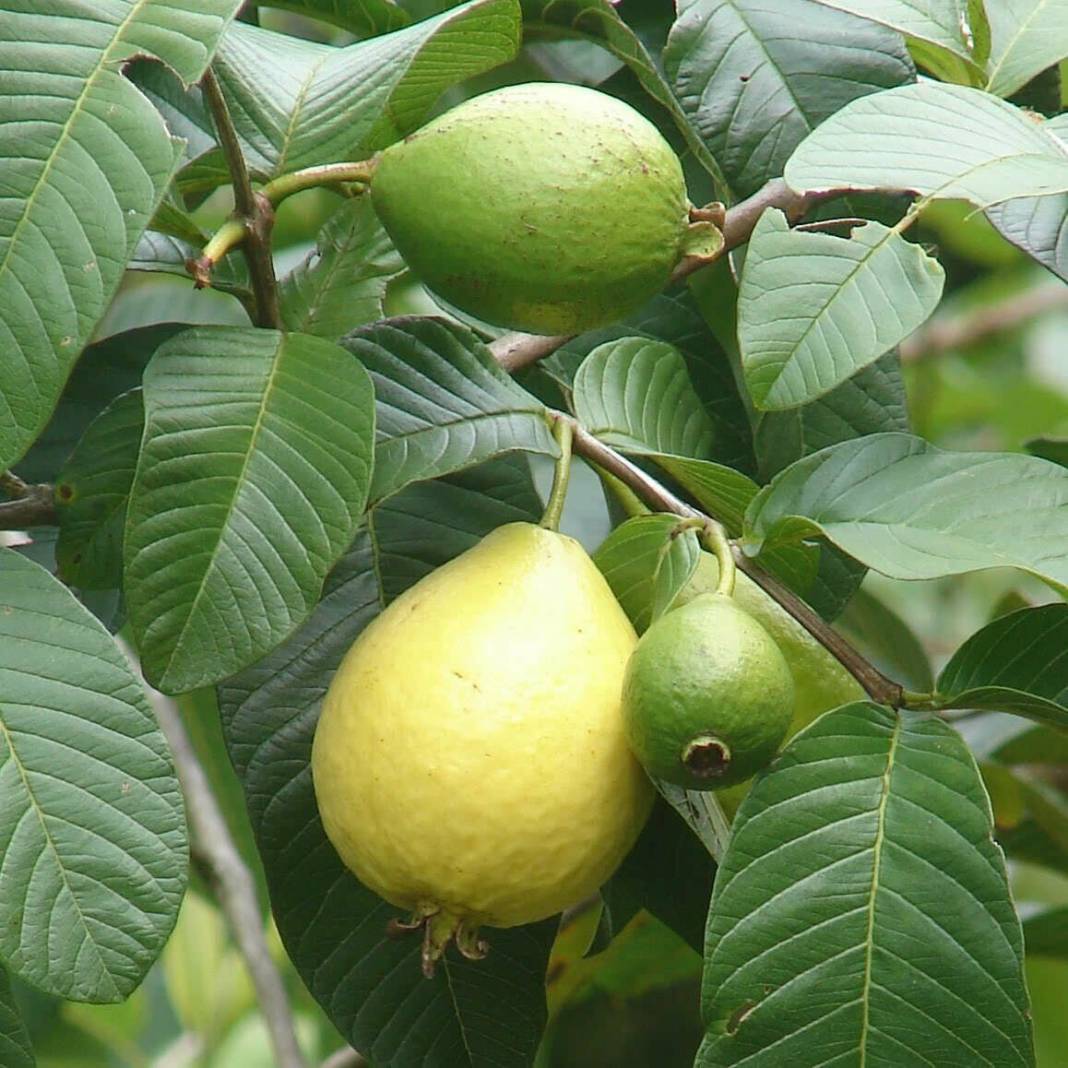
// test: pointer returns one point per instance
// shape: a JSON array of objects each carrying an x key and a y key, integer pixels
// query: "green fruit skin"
[
  {"x": 707, "y": 668},
  {"x": 542, "y": 207}
]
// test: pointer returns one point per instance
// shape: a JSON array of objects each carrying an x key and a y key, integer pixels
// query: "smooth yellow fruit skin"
[
  {"x": 470, "y": 754},
  {"x": 542, "y": 207}
]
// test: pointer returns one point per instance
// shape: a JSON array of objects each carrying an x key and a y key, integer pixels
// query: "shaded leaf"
[
  {"x": 862, "y": 913},
  {"x": 887, "y": 640},
  {"x": 91, "y": 495},
  {"x": 168, "y": 254},
  {"x": 675, "y": 565},
  {"x": 15, "y": 1048},
  {"x": 912, "y": 511},
  {"x": 86, "y": 160},
  {"x": 442, "y": 402},
  {"x": 753, "y": 89},
  {"x": 814, "y": 309},
  {"x": 1018, "y": 663},
  {"x": 471, "y": 1015},
  {"x": 252, "y": 478},
  {"x": 1052, "y": 449},
  {"x": 1046, "y": 932},
  {"x": 342, "y": 283},
  {"x": 942, "y": 141},
  {"x": 323, "y": 103},
  {"x": 92, "y": 831}
]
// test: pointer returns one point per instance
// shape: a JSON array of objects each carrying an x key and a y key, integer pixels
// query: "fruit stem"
[
  {"x": 562, "y": 432},
  {"x": 714, "y": 538}
]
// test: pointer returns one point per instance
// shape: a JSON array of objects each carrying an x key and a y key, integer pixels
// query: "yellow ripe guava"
[
  {"x": 469, "y": 762},
  {"x": 541, "y": 207}
]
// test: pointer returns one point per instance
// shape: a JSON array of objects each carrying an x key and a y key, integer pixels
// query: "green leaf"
[
  {"x": 1046, "y": 932},
  {"x": 814, "y": 309},
  {"x": 941, "y": 141},
  {"x": 470, "y": 1015},
  {"x": 598, "y": 20},
  {"x": 342, "y": 283},
  {"x": 86, "y": 160},
  {"x": 91, "y": 495},
  {"x": 887, "y": 640},
  {"x": 935, "y": 28},
  {"x": 753, "y": 90},
  {"x": 106, "y": 369},
  {"x": 442, "y": 402},
  {"x": 15, "y": 1048},
  {"x": 365, "y": 18},
  {"x": 1053, "y": 449},
  {"x": 862, "y": 913},
  {"x": 913, "y": 511},
  {"x": 675, "y": 565},
  {"x": 323, "y": 103},
  {"x": 1018, "y": 663},
  {"x": 1009, "y": 740},
  {"x": 167, "y": 254},
  {"x": 92, "y": 829},
  {"x": 252, "y": 478},
  {"x": 1027, "y": 36}
]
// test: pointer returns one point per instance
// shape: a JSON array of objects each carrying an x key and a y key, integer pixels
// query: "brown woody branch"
[
  {"x": 31, "y": 505},
  {"x": 875, "y": 683}
]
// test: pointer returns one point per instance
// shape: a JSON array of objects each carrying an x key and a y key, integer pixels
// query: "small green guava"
[
  {"x": 707, "y": 697},
  {"x": 542, "y": 207}
]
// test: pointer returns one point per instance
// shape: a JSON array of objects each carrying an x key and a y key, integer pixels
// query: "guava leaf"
[
  {"x": 1053, "y": 449},
  {"x": 365, "y": 18},
  {"x": 92, "y": 491},
  {"x": 323, "y": 103},
  {"x": 15, "y": 1048},
  {"x": 910, "y": 510},
  {"x": 470, "y": 1015},
  {"x": 442, "y": 402},
  {"x": 167, "y": 254},
  {"x": 814, "y": 309},
  {"x": 598, "y": 20},
  {"x": 1038, "y": 225},
  {"x": 342, "y": 283},
  {"x": 1026, "y": 37},
  {"x": 92, "y": 829},
  {"x": 1018, "y": 663},
  {"x": 887, "y": 640},
  {"x": 1046, "y": 931},
  {"x": 86, "y": 159},
  {"x": 941, "y": 141},
  {"x": 937, "y": 32},
  {"x": 252, "y": 478},
  {"x": 1008, "y": 739},
  {"x": 753, "y": 89},
  {"x": 862, "y": 913}
]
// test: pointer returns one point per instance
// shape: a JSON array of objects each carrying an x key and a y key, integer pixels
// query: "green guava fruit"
[
  {"x": 542, "y": 207},
  {"x": 707, "y": 697}
]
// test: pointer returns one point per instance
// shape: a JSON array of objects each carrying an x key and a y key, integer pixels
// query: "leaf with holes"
[
  {"x": 252, "y": 478},
  {"x": 442, "y": 402},
  {"x": 912, "y": 511},
  {"x": 1026, "y": 37},
  {"x": 814, "y": 309},
  {"x": 937, "y": 30},
  {"x": 753, "y": 89},
  {"x": 91, "y": 495},
  {"x": 862, "y": 913},
  {"x": 86, "y": 159},
  {"x": 942, "y": 141},
  {"x": 323, "y": 103},
  {"x": 342, "y": 283},
  {"x": 15, "y": 1048},
  {"x": 92, "y": 830},
  {"x": 470, "y": 1014},
  {"x": 1018, "y": 663}
]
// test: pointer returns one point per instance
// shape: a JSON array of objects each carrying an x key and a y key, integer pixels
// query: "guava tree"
[{"x": 218, "y": 495}]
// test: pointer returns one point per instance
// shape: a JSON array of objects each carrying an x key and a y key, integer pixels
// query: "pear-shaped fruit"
[
  {"x": 708, "y": 696},
  {"x": 542, "y": 207},
  {"x": 470, "y": 763}
]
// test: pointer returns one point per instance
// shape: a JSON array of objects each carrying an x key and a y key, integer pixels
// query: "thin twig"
[
  {"x": 516, "y": 351},
  {"x": 345, "y": 1058},
  {"x": 661, "y": 499},
  {"x": 251, "y": 208},
  {"x": 233, "y": 885},
  {"x": 958, "y": 332},
  {"x": 34, "y": 506}
]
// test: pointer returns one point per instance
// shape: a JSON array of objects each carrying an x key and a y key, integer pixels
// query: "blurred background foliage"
[{"x": 988, "y": 372}]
